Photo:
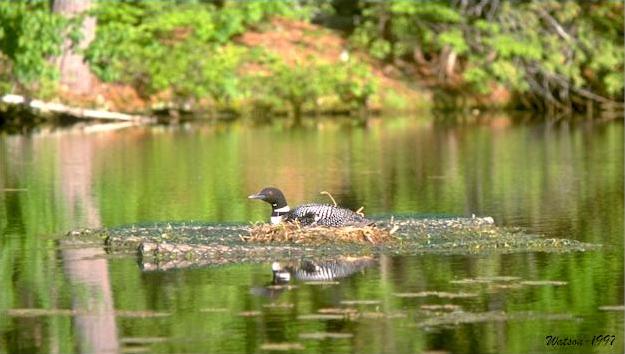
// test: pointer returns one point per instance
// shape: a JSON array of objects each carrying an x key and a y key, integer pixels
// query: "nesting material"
[{"x": 295, "y": 233}]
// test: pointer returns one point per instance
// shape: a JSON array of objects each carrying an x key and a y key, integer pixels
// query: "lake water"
[{"x": 561, "y": 180}]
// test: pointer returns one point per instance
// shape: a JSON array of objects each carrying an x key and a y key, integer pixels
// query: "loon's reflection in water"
[{"x": 310, "y": 270}]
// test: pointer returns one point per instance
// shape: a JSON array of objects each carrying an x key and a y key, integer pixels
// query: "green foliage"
[
  {"x": 614, "y": 82},
  {"x": 354, "y": 84},
  {"x": 380, "y": 48},
  {"x": 508, "y": 46},
  {"x": 454, "y": 39},
  {"x": 29, "y": 36},
  {"x": 576, "y": 46},
  {"x": 477, "y": 77},
  {"x": 6, "y": 76},
  {"x": 487, "y": 27},
  {"x": 505, "y": 71},
  {"x": 431, "y": 11},
  {"x": 184, "y": 48},
  {"x": 407, "y": 25},
  {"x": 151, "y": 47},
  {"x": 298, "y": 84},
  {"x": 302, "y": 84},
  {"x": 185, "y": 52}
]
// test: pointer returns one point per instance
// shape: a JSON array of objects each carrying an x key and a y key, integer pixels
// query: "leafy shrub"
[
  {"x": 185, "y": 49},
  {"x": 304, "y": 83},
  {"x": 544, "y": 50},
  {"x": 354, "y": 84},
  {"x": 30, "y": 35}
]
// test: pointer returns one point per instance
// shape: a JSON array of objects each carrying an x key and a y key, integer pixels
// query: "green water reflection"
[{"x": 561, "y": 180}]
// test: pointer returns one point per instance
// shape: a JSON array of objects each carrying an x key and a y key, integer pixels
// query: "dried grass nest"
[{"x": 293, "y": 232}]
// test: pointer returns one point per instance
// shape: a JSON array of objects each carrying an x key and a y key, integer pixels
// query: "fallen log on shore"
[{"x": 42, "y": 107}]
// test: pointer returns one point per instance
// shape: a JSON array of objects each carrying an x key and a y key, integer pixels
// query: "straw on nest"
[{"x": 293, "y": 232}]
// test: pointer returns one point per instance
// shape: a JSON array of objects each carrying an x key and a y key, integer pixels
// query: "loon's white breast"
[{"x": 278, "y": 214}]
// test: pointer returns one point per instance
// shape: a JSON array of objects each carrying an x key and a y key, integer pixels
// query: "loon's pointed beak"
[{"x": 257, "y": 196}]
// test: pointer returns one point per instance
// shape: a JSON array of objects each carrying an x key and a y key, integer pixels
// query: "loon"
[{"x": 308, "y": 214}]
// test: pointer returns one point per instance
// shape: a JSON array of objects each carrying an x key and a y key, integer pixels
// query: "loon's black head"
[{"x": 273, "y": 196}]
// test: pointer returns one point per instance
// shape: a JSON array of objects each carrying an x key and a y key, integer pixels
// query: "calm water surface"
[{"x": 559, "y": 180}]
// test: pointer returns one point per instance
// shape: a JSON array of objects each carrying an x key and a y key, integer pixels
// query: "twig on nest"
[{"x": 329, "y": 195}]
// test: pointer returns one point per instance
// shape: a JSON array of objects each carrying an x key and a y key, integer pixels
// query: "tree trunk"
[
  {"x": 297, "y": 111},
  {"x": 75, "y": 74}
]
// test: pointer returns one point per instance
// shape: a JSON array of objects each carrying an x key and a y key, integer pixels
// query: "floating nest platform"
[
  {"x": 296, "y": 234},
  {"x": 165, "y": 246}
]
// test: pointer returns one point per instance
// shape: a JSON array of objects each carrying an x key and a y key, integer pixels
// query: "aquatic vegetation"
[
  {"x": 619, "y": 308},
  {"x": 40, "y": 312},
  {"x": 502, "y": 283},
  {"x": 279, "y": 306},
  {"x": 282, "y": 346},
  {"x": 322, "y": 316},
  {"x": 543, "y": 282},
  {"x": 485, "y": 280},
  {"x": 214, "y": 310},
  {"x": 460, "y": 317},
  {"x": 168, "y": 246},
  {"x": 360, "y": 302},
  {"x": 143, "y": 340},
  {"x": 439, "y": 294},
  {"x": 438, "y": 308},
  {"x": 325, "y": 335},
  {"x": 339, "y": 311}
]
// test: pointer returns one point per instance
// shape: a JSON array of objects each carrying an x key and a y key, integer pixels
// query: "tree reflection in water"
[{"x": 86, "y": 268}]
